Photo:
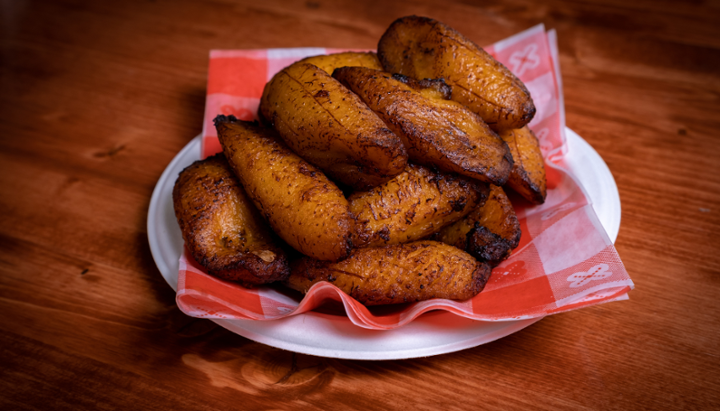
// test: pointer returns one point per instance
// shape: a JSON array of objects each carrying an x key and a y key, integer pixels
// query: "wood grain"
[{"x": 97, "y": 97}]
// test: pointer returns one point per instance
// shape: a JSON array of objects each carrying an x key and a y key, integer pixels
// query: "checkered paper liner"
[{"x": 565, "y": 259}]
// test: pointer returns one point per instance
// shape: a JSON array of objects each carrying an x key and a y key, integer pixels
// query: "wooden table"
[{"x": 97, "y": 97}]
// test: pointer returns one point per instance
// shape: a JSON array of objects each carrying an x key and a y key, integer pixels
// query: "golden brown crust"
[
  {"x": 413, "y": 205},
  {"x": 420, "y": 47},
  {"x": 397, "y": 274},
  {"x": 527, "y": 177},
  {"x": 330, "y": 127},
  {"x": 221, "y": 227},
  {"x": 303, "y": 207},
  {"x": 434, "y": 89},
  {"x": 436, "y": 132},
  {"x": 329, "y": 62},
  {"x": 489, "y": 233}
]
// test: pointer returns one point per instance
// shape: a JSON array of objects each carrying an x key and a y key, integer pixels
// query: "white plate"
[{"x": 326, "y": 335}]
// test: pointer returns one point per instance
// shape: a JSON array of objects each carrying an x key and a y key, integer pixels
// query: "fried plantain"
[
  {"x": 397, "y": 274},
  {"x": 329, "y": 62},
  {"x": 421, "y": 47},
  {"x": 330, "y": 127},
  {"x": 413, "y": 205},
  {"x": 527, "y": 177},
  {"x": 489, "y": 233},
  {"x": 302, "y": 205},
  {"x": 222, "y": 229},
  {"x": 436, "y": 131}
]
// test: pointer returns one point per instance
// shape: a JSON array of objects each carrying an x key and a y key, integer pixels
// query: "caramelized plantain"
[
  {"x": 436, "y": 131},
  {"x": 420, "y": 47},
  {"x": 221, "y": 227},
  {"x": 489, "y": 233},
  {"x": 330, "y": 127},
  {"x": 413, "y": 205},
  {"x": 527, "y": 177},
  {"x": 397, "y": 274},
  {"x": 304, "y": 208},
  {"x": 329, "y": 62}
]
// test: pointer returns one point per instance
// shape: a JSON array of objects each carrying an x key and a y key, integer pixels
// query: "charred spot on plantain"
[
  {"x": 303, "y": 169},
  {"x": 459, "y": 204},
  {"x": 221, "y": 119},
  {"x": 322, "y": 94}
]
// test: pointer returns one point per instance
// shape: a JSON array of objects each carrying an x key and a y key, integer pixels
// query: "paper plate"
[{"x": 327, "y": 335}]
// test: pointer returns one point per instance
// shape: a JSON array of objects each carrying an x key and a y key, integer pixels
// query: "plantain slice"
[
  {"x": 421, "y": 47},
  {"x": 397, "y": 274},
  {"x": 304, "y": 208},
  {"x": 413, "y": 205},
  {"x": 222, "y": 229},
  {"x": 329, "y": 62},
  {"x": 436, "y": 132},
  {"x": 527, "y": 177},
  {"x": 489, "y": 233},
  {"x": 330, "y": 127}
]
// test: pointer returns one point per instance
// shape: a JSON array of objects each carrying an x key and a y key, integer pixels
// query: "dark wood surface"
[{"x": 97, "y": 97}]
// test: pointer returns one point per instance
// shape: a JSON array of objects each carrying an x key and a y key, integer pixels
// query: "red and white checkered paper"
[{"x": 565, "y": 259}]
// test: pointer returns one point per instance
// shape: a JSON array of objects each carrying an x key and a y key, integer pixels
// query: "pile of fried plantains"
[{"x": 381, "y": 173}]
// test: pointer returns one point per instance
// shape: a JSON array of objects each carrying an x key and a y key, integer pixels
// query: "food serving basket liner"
[{"x": 565, "y": 259}]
